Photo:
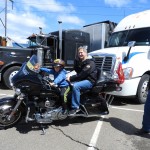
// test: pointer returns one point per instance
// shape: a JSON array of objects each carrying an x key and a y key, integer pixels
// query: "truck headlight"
[{"x": 128, "y": 72}]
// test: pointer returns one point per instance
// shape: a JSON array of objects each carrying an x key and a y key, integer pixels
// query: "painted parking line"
[
  {"x": 2, "y": 94},
  {"x": 96, "y": 134},
  {"x": 6, "y": 94},
  {"x": 126, "y": 109}
]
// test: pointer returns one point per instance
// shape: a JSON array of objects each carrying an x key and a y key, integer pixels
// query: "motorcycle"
[{"x": 37, "y": 101}]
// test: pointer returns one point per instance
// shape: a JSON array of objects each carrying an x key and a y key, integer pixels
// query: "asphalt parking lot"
[{"x": 115, "y": 131}]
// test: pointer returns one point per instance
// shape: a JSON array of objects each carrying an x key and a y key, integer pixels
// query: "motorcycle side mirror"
[{"x": 130, "y": 44}]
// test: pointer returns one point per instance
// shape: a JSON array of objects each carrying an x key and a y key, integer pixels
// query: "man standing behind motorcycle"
[
  {"x": 84, "y": 79},
  {"x": 59, "y": 80}
]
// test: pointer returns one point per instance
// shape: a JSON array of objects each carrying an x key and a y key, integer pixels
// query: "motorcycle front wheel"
[{"x": 5, "y": 111}]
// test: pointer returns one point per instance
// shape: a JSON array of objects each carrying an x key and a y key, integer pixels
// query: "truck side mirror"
[{"x": 130, "y": 44}]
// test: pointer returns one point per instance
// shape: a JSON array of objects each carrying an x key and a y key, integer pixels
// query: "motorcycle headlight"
[{"x": 17, "y": 91}]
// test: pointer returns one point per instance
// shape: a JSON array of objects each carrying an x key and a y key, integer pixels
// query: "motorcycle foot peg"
[{"x": 28, "y": 119}]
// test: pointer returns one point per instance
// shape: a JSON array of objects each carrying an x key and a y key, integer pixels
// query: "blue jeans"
[
  {"x": 77, "y": 86},
  {"x": 146, "y": 116}
]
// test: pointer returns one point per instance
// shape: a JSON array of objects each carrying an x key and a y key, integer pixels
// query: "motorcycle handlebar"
[{"x": 48, "y": 80}]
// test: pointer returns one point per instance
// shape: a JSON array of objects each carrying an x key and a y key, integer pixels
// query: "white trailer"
[{"x": 99, "y": 33}]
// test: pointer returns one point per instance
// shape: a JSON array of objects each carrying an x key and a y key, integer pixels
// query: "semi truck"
[{"x": 130, "y": 42}]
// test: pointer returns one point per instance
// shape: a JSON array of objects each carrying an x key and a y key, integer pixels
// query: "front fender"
[{"x": 8, "y": 102}]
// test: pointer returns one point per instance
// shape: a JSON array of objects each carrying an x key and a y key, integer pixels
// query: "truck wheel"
[
  {"x": 8, "y": 74},
  {"x": 142, "y": 89}
]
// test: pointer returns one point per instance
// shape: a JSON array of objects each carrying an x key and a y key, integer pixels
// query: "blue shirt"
[{"x": 59, "y": 77}]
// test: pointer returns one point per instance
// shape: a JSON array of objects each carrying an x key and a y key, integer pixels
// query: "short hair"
[{"x": 85, "y": 47}]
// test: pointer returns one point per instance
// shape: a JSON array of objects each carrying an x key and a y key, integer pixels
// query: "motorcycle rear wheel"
[{"x": 4, "y": 113}]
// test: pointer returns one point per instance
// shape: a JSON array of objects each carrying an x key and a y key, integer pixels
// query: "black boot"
[{"x": 65, "y": 109}]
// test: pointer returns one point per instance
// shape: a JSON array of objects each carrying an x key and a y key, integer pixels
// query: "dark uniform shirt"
[{"x": 86, "y": 70}]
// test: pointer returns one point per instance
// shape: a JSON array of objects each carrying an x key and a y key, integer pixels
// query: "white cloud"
[
  {"x": 26, "y": 19},
  {"x": 71, "y": 19},
  {"x": 23, "y": 25},
  {"x": 117, "y": 3}
]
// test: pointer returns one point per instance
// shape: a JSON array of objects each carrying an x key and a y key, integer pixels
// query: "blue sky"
[{"x": 28, "y": 15}]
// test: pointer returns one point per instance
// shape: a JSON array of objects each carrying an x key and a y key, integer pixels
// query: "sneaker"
[
  {"x": 74, "y": 111},
  {"x": 142, "y": 132},
  {"x": 104, "y": 112}
]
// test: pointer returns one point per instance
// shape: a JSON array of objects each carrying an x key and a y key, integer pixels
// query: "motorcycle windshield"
[
  {"x": 33, "y": 64},
  {"x": 29, "y": 72}
]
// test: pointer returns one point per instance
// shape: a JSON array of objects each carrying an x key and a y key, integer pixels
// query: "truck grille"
[{"x": 105, "y": 63}]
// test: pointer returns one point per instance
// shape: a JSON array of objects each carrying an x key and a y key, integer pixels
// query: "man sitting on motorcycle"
[
  {"x": 85, "y": 78},
  {"x": 59, "y": 80}
]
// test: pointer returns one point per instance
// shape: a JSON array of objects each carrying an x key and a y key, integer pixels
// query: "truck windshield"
[
  {"x": 141, "y": 36},
  {"x": 35, "y": 41},
  {"x": 32, "y": 44}
]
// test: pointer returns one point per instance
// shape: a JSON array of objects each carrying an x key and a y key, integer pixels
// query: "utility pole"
[{"x": 6, "y": 16}]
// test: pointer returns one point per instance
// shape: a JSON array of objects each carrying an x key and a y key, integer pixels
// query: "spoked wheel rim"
[{"x": 3, "y": 117}]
